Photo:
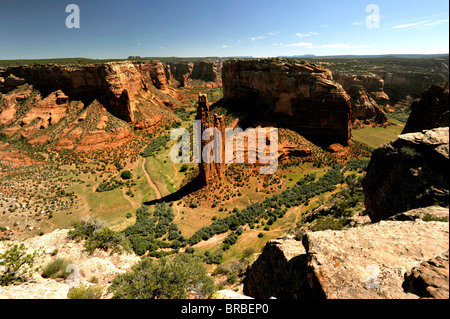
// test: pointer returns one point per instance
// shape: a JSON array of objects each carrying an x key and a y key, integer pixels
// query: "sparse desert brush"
[
  {"x": 57, "y": 269},
  {"x": 16, "y": 265},
  {"x": 85, "y": 292}
]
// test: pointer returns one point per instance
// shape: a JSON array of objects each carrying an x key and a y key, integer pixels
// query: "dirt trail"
[
  {"x": 149, "y": 180},
  {"x": 128, "y": 199}
]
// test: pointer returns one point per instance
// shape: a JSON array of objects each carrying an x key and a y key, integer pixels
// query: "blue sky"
[{"x": 117, "y": 29}]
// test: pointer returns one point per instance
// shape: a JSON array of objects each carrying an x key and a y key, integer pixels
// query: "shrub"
[
  {"x": 98, "y": 236},
  {"x": 57, "y": 269},
  {"x": 85, "y": 228},
  {"x": 16, "y": 265},
  {"x": 126, "y": 175},
  {"x": 106, "y": 239},
  {"x": 329, "y": 223},
  {"x": 184, "y": 168},
  {"x": 167, "y": 278},
  {"x": 85, "y": 292}
]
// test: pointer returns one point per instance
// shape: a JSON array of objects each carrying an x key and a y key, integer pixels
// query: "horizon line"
[{"x": 239, "y": 56}]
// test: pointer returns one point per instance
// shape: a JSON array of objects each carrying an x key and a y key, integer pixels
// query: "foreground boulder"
[
  {"x": 369, "y": 262},
  {"x": 279, "y": 272},
  {"x": 430, "y": 111},
  {"x": 408, "y": 173}
]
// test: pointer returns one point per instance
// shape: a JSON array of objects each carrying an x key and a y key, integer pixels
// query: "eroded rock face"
[
  {"x": 117, "y": 85},
  {"x": 279, "y": 272},
  {"x": 368, "y": 262},
  {"x": 207, "y": 71},
  {"x": 429, "y": 279},
  {"x": 430, "y": 111},
  {"x": 372, "y": 82},
  {"x": 210, "y": 172},
  {"x": 364, "y": 108},
  {"x": 180, "y": 72},
  {"x": 408, "y": 173},
  {"x": 301, "y": 96}
]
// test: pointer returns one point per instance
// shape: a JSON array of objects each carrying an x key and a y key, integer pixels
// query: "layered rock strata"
[
  {"x": 301, "y": 96},
  {"x": 365, "y": 109},
  {"x": 119, "y": 86},
  {"x": 377, "y": 261},
  {"x": 210, "y": 172}
]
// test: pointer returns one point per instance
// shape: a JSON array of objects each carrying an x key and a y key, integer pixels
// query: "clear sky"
[{"x": 118, "y": 28}]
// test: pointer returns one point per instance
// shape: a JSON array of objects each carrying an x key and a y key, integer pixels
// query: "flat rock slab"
[{"x": 371, "y": 262}]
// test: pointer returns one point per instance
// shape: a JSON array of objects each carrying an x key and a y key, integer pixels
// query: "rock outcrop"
[
  {"x": 301, "y": 96},
  {"x": 210, "y": 172},
  {"x": 408, "y": 173},
  {"x": 184, "y": 72},
  {"x": 368, "y": 262},
  {"x": 431, "y": 111},
  {"x": 280, "y": 272},
  {"x": 430, "y": 278},
  {"x": 364, "y": 108},
  {"x": 432, "y": 213},
  {"x": 101, "y": 266},
  {"x": 119, "y": 86}
]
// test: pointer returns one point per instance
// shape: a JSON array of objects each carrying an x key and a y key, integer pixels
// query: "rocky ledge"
[
  {"x": 100, "y": 267},
  {"x": 408, "y": 173},
  {"x": 386, "y": 260}
]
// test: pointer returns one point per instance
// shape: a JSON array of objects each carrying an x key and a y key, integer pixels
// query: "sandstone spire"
[{"x": 210, "y": 172}]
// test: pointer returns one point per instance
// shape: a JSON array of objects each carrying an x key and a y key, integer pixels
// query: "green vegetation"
[
  {"x": 167, "y": 278},
  {"x": 144, "y": 234},
  {"x": 16, "y": 265},
  {"x": 98, "y": 236},
  {"x": 377, "y": 136},
  {"x": 57, "y": 269},
  {"x": 85, "y": 292},
  {"x": 126, "y": 175},
  {"x": 273, "y": 207},
  {"x": 109, "y": 185},
  {"x": 155, "y": 145}
]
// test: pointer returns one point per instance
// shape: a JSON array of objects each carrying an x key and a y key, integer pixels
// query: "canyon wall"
[
  {"x": 116, "y": 85},
  {"x": 205, "y": 70},
  {"x": 301, "y": 96}
]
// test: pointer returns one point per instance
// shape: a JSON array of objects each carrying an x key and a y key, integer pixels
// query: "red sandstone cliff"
[
  {"x": 119, "y": 86},
  {"x": 84, "y": 107},
  {"x": 210, "y": 172},
  {"x": 301, "y": 96},
  {"x": 185, "y": 72}
]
